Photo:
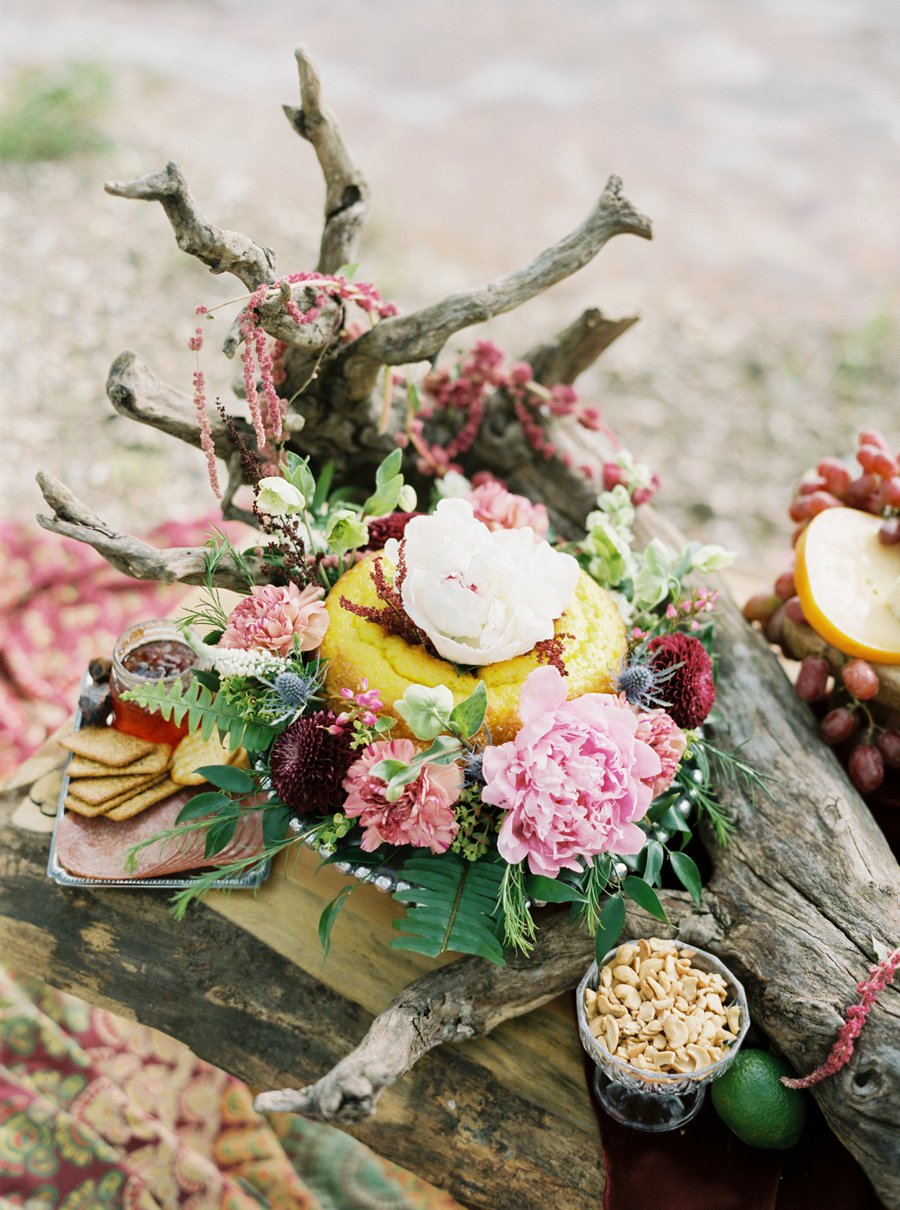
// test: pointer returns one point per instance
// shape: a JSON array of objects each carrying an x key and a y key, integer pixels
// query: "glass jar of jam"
[{"x": 150, "y": 651}]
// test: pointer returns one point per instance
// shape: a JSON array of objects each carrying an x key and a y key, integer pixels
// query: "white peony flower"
[
  {"x": 481, "y": 596},
  {"x": 277, "y": 498}
]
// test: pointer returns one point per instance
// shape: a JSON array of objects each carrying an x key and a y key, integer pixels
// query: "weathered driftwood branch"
[
  {"x": 577, "y": 347},
  {"x": 73, "y": 519},
  {"x": 346, "y": 189},
  {"x": 137, "y": 393},
  {"x": 455, "y": 1003},
  {"x": 800, "y": 641},
  {"x": 421, "y": 335},
  {"x": 223, "y": 251}
]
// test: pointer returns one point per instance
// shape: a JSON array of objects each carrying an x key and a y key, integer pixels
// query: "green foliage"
[
  {"x": 52, "y": 112},
  {"x": 330, "y": 915},
  {"x": 467, "y": 717},
  {"x": 687, "y": 874},
  {"x": 455, "y": 907},
  {"x": 204, "y": 710},
  {"x": 609, "y": 930},
  {"x": 644, "y": 896}
]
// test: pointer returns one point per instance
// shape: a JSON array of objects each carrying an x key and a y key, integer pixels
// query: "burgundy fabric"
[{"x": 705, "y": 1167}]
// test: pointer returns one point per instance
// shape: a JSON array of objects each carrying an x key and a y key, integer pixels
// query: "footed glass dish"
[{"x": 652, "y": 1101}]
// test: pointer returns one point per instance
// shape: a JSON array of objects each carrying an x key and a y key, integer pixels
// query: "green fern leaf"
[
  {"x": 454, "y": 907},
  {"x": 205, "y": 713}
]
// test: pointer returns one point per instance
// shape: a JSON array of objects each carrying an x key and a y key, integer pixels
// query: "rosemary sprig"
[{"x": 518, "y": 926}]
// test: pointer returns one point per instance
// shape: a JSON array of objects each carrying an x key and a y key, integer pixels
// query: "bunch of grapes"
[
  {"x": 876, "y": 489},
  {"x": 864, "y": 735}
]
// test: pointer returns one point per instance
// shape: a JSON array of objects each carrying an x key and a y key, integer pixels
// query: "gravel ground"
[{"x": 762, "y": 139}]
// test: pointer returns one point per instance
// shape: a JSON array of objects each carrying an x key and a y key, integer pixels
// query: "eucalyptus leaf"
[
  {"x": 653, "y": 860},
  {"x": 275, "y": 821},
  {"x": 609, "y": 930},
  {"x": 219, "y": 834},
  {"x": 202, "y": 804},
  {"x": 330, "y": 914},
  {"x": 235, "y": 781},
  {"x": 645, "y": 897},
  {"x": 551, "y": 890},
  {"x": 688, "y": 875}
]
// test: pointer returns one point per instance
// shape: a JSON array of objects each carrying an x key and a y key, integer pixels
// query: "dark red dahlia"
[
  {"x": 382, "y": 529},
  {"x": 690, "y": 690},
  {"x": 308, "y": 764}
]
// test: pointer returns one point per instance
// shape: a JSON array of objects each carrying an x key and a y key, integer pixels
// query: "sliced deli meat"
[{"x": 98, "y": 847}]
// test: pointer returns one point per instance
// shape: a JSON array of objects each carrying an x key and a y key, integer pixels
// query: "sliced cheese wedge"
[{"x": 847, "y": 582}]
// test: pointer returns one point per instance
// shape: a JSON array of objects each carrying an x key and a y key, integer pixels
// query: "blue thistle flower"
[
  {"x": 472, "y": 769},
  {"x": 641, "y": 683},
  {"x": 294, "y": 690}
]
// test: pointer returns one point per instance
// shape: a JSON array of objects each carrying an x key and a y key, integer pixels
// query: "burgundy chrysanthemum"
[
  {"x": 690, "y": 690},
  {"x": 308, "y": 763},
  {"x": 381, "y": 529}
]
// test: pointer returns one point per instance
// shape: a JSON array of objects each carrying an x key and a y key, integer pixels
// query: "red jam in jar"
[{"x": 150, "y": 651}]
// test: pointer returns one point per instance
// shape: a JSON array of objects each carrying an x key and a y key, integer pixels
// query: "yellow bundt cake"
[{"x": 592, "y": 652}]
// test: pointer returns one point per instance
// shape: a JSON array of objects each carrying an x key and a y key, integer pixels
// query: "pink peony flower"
[
  {"x": 270, "y": 617},
  {"x": 668, "y": 741},
  {"x": 423, "y": 814},
  {"x": 498, "y": 508},
  {"x": 575, "y": 780}
]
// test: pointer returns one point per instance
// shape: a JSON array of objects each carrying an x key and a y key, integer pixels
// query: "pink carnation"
[
  {"x": 498, "y": 508},
  {"x": 423, "y": 814},
  {"x": 667, "y": 740},
  {"x": 270, "y": 617},
  {"x": 575, "y": 779}
]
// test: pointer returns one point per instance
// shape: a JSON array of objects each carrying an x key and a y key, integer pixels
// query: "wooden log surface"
[{"x": 502, "y": 1122}]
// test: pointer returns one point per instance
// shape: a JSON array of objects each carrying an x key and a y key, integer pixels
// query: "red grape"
[
  {"x": 761, "y": 606},
  {"x": 785, "y": 586},
  {"x": 874, "y": 437},
  {"x": 866, "y": 768},
  {"x": 836, "y": 476},
  {"x": 774, "y": 628},
  {"x": 794, "y": 610},
  {"x": 863, "y": 493},
  {"x": 890, "y": 492},
  {"x": 861, "y": 679},
  {"x": 808, "y": 486},
  {"x": 812, "y": 679},
  {"x": 838, "y": 725},
  {"x": 889, "y": 746},
  {"x": 889, "y": 534}
]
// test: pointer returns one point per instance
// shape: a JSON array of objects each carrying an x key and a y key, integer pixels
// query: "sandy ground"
[{"x": 761, "y": 138}]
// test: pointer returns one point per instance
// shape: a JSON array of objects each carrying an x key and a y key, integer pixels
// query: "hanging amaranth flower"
[
  {"x": 690, "y": 691},
  {"x": 308, "y": 763}
]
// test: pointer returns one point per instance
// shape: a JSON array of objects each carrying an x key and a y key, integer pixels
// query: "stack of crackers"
[{"x": 118, "y": 776}]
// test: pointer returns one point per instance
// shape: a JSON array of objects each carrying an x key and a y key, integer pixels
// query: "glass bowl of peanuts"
[{"x": 660, "y": 1020}]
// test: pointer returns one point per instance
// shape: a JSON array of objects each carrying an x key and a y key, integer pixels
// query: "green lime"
[{"x": 751, "y": 1100}]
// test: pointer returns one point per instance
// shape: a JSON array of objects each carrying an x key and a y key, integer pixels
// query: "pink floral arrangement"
[
  {"x": 423, "y": 814},
  {"x": 585, "y": 801},
  {"x": 272, "y": 619},
  {"x": 574, "y": 781}
]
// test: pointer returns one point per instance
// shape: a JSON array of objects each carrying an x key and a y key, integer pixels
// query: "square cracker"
[
  {"x": 106, "y": 745},
  {"x": 156, "y": 761},
  {"x": 140, "y": 802},
  {"x": 97, "y": 790},
  {"x": 83, "y": 808}
]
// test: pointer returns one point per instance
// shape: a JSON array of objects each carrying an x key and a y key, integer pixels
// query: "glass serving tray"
[{"x": 249, "y": 881}]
